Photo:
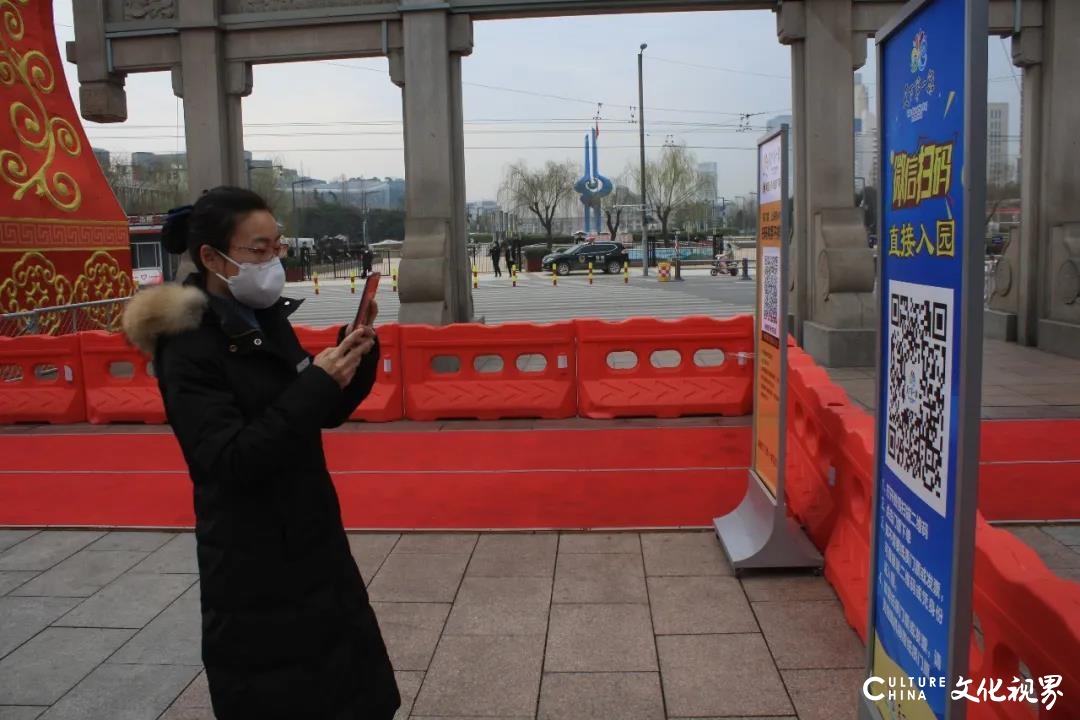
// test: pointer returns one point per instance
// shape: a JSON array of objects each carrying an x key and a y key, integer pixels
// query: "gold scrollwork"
[
  {"x": 34, "y": 127},
  {"x": 36, "y": 284},
  {"x": 102, "y": 279}
]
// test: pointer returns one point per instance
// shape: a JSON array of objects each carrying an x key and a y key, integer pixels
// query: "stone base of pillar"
[
  {"x": 434, "y": 287},
  {"x": 998, "y": 325},
  {"x": 1061, "y": 338},
  {"x": 839, "y": 347}
]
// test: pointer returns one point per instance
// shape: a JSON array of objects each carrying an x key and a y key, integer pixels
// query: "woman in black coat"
[{"x": 287, "y": 629}]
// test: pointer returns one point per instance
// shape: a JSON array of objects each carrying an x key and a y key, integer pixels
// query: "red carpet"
[
  {"x": 1030, "y": 470},
  {"x": 663, "y": 476},
  {"x": 604, "y": 477}
]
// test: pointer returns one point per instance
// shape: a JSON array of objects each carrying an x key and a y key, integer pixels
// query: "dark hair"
[{"x": 210, "y": 221}]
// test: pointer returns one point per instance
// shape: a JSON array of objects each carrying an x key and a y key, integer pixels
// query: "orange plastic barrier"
[
  {"x": 384, "y": 403},
  {"x": 1026, "y": 616},
  {"x": 646, "y": 367},
  {"x": 516, "y": 370},
  {"x": 830, "y": 479},
  {"x": 41, "y": 380},
  {"x": 120, "y": 385}
]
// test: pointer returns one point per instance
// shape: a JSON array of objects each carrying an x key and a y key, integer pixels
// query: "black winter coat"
[{"x": 287, "y": 629}]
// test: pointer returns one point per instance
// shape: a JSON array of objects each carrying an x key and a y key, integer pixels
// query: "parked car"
[{"x": 606, "y": 256}]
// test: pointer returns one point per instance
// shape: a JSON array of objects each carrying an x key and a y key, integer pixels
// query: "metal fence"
[{"x": 64, "y": 319}]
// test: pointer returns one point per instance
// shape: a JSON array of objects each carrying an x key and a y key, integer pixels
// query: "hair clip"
[{"x": 179, "y": 212}]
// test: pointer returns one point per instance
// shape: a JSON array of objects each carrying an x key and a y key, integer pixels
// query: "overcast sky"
[{"x": 523, "y": 98}]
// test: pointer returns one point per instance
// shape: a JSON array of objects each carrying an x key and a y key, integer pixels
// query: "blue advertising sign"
[{"x": 928, "y": 381}]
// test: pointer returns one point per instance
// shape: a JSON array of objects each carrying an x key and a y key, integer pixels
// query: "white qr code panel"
[
  {"x": 919, "y": 391},
  {"x": 770, "y": 291}
]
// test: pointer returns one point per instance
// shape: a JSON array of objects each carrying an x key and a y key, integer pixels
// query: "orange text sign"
[{"x": 771, "y": 316}]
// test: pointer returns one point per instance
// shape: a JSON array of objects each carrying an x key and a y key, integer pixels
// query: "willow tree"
[
  {"x": 672, "y": 183},
  {"x": 542, "y": 191}
]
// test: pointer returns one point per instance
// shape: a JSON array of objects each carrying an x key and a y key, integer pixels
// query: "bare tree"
[
  {"x": 542, "y": 192},
  {"x": 997, "y": 194},
  {"x": 148, "y": 190},
  {"x": 267, "y": 182},
  {"x": 616, "y": 207},
  {"x": 671, "y": 183}
]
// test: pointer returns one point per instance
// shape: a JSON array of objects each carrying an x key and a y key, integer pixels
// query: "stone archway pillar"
[
  {"x": 434, "y": 273},
  {"x": 832, "y": 264}
]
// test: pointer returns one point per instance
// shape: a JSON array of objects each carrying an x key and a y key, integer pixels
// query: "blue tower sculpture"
[{"x": 592, "y": 186}]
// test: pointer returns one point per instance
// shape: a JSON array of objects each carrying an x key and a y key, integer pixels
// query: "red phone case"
[{"x": 370, "y": 288}]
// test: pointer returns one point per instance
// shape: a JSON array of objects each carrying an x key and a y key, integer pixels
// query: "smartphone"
[{"x": 363, "y": 312}]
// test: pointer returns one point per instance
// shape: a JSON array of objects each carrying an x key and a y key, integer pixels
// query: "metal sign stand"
[{"x": 758, "y": 534}]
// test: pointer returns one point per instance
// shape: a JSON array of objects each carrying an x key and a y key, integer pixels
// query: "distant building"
[
  {"x": 365, "y": 193},
  {"x": 147, "y": 167},
  {"x": 998, "y": 168},
  {"x": 709, "y": 171},
  {"x": 102, "y": 156},
  {"x": 867, "y": 152}
]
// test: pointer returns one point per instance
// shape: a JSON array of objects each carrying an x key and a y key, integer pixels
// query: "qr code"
[
  {"x": 770, "y": 292},
  {"x": 919, "y": 391}
]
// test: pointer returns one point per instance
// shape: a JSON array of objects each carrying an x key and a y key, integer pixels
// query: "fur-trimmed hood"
[{"x": 167, "y": 309}]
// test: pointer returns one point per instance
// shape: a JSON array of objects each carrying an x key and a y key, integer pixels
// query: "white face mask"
[{"x": 257, "y": 285}]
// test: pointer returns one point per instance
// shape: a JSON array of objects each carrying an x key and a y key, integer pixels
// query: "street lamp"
[{"x": 641, "y": 142}]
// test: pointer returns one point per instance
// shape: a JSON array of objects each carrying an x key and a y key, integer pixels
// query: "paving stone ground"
[
  {"x": 553, "y": 626},
  {"x": 1019, "y": 383}
]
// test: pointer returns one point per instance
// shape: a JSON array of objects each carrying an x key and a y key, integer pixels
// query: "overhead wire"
[
  {"x": 736, "y": 71},
  {"x": 550, "y": 96}
]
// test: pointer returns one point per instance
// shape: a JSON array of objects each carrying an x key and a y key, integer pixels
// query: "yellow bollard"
[
  {"x": 513, "y": 275},
  {"x": 475, "y": 278},
  {"x": 352, "y": 284},
  {"x": 626, "y": 273},
  {"x": 590, "y": 273},
  {"x": 393, "y": 276},
  {"x": 316, "y": 276},
  {"x": 554, "y": 276}
]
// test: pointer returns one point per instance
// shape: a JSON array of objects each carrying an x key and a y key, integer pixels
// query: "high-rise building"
[
  {"x": 866, "y": 138},
  {"x": 709, "y": 171},
  {"x": 998, "y": 168},
  {"x": 862, "y": 98}
]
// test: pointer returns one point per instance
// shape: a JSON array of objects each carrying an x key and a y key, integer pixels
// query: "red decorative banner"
[{"x": 63, "y": 235}]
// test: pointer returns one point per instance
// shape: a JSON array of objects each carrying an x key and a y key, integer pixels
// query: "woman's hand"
[
  {"x": 369, "y": 321},
  {"x": 340, "y": 362}
]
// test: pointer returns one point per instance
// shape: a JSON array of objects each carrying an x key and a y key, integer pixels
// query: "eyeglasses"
[{"x": 262, "y": 253}]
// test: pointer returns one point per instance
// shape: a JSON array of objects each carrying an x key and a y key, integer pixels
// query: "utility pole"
[
  {"x": 641, "y": 143},
  {"x": 363, "y": 203}
]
